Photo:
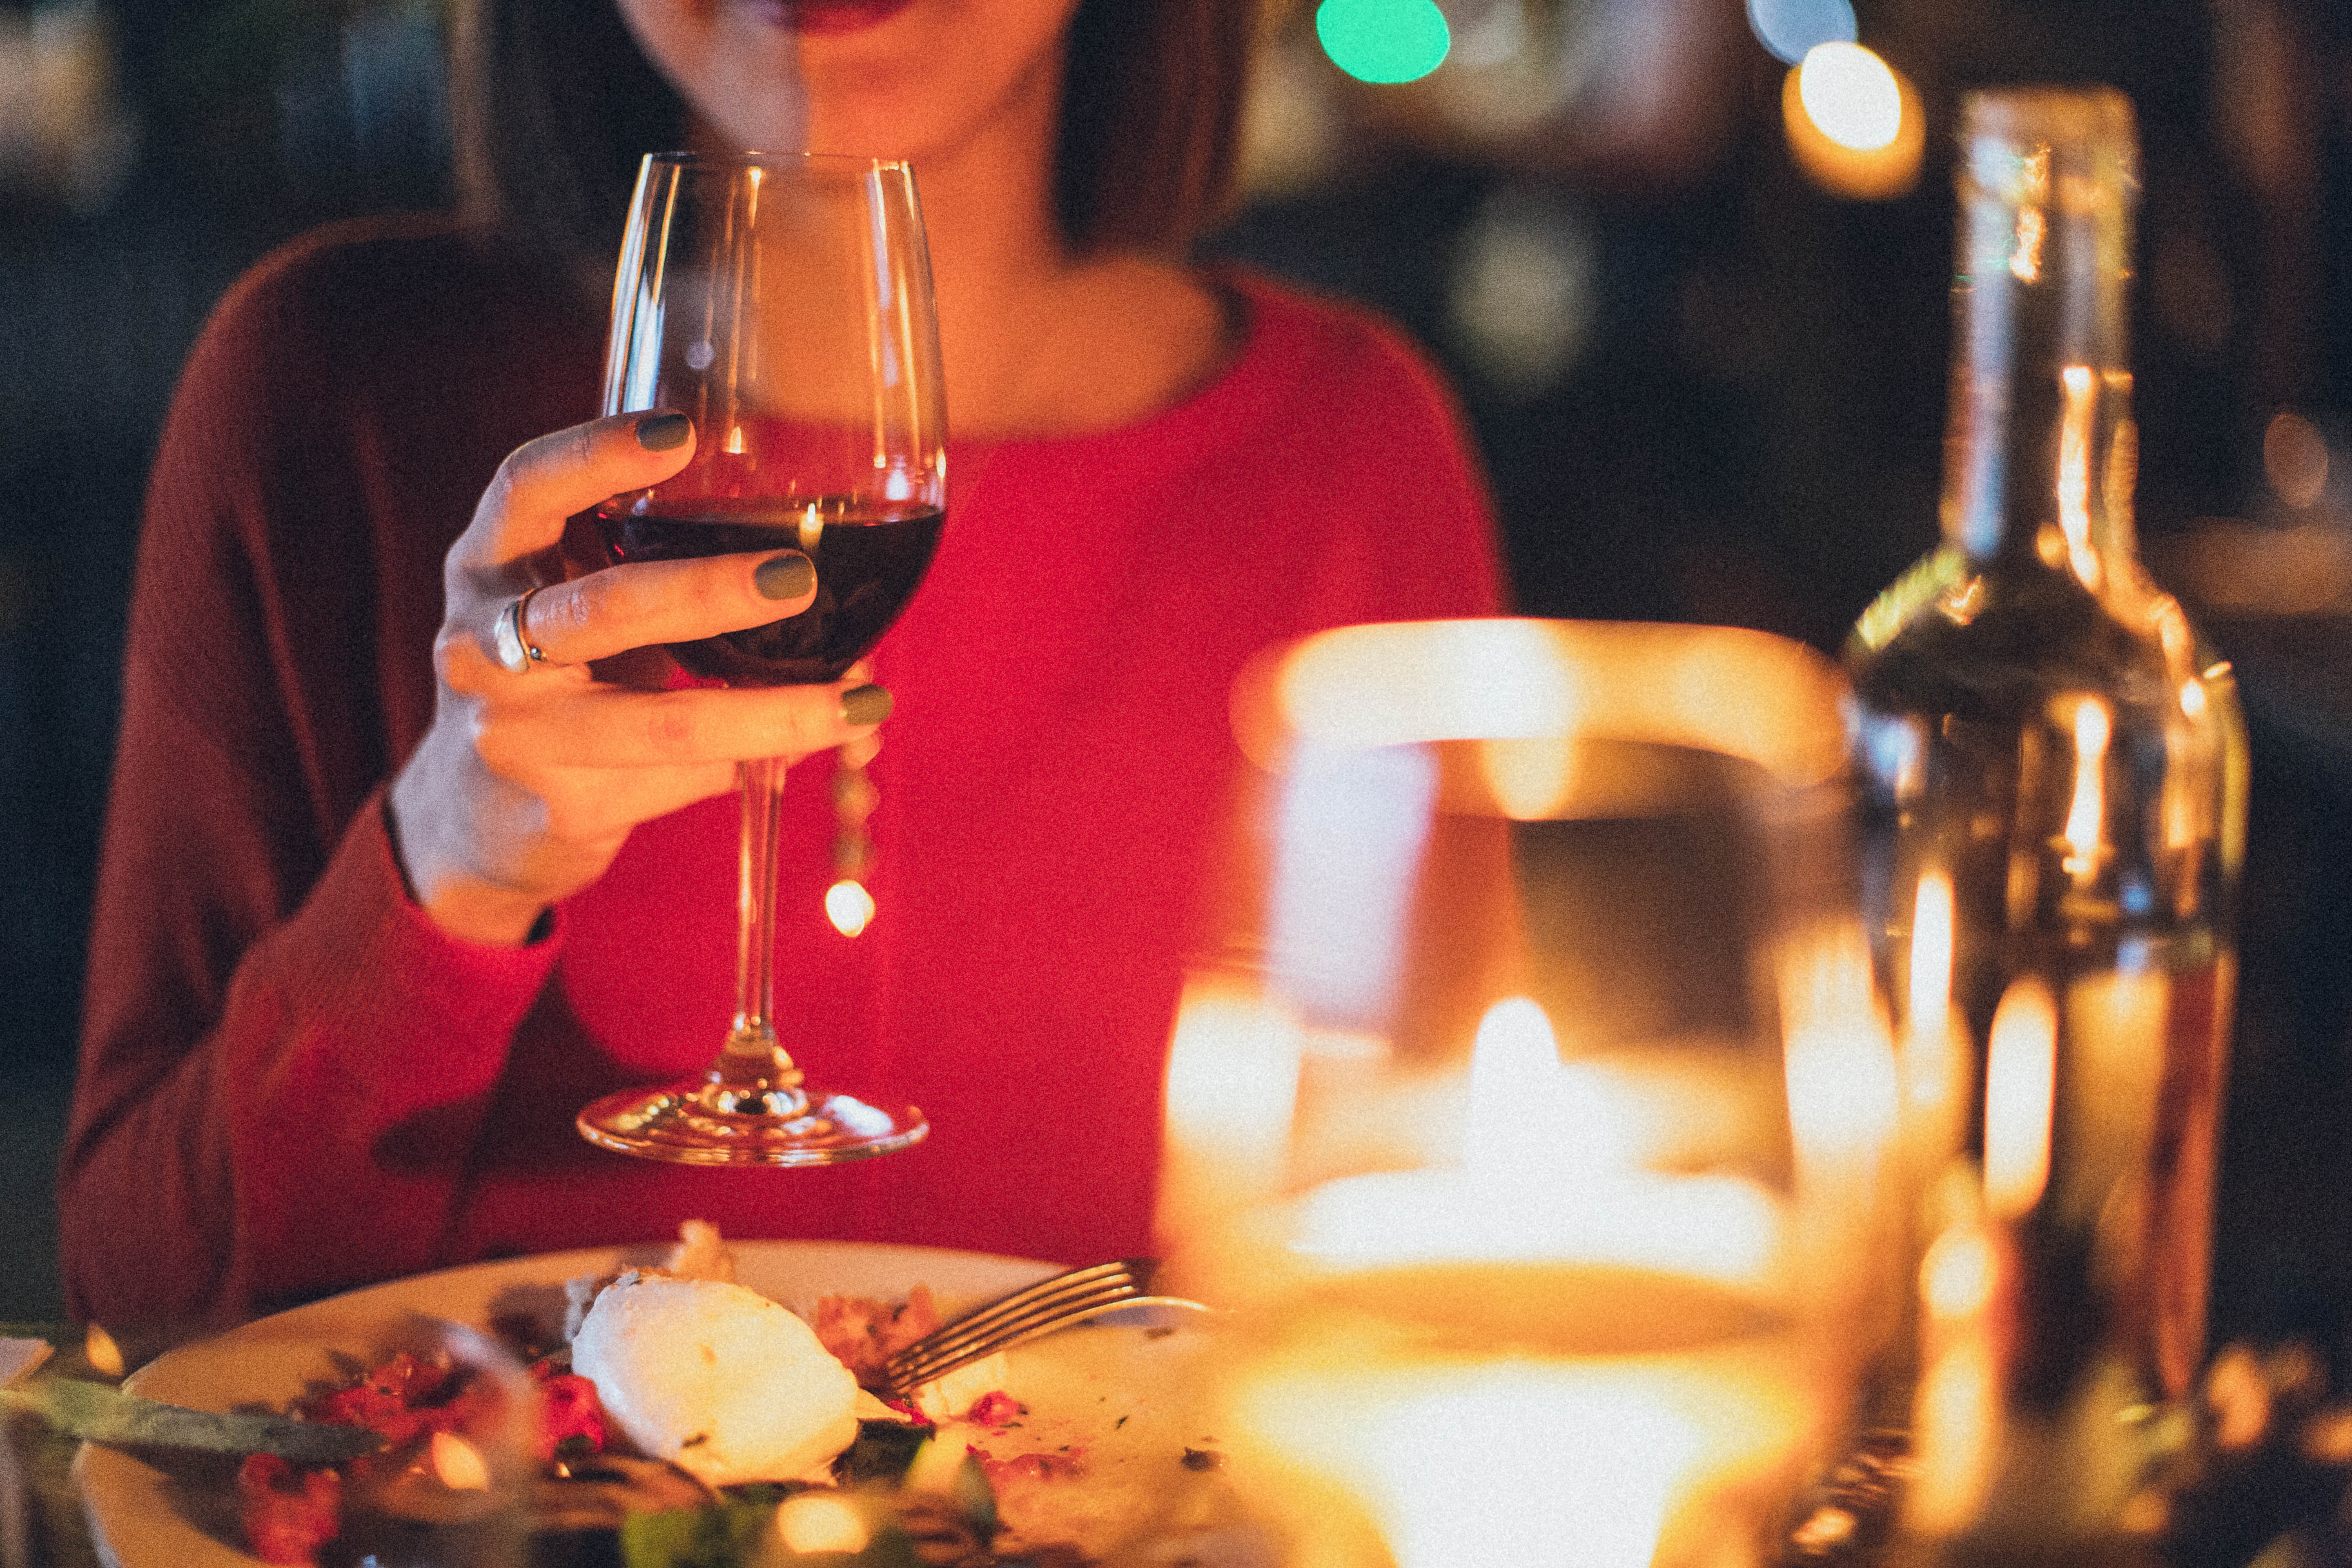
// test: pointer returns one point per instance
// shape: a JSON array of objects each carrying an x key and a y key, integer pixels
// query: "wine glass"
[{"x": 784, "y": 302}]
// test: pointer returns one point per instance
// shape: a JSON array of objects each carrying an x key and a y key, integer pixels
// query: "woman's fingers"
[
  {"x": 511, "y": 547},
  {"x": 546, "y": 481},
  {"x": 595, "y": 726},
  {"x": 532, "y": 772},
  {"x": 646, "y": 603},
  {"x": 508, "y": 552},
  {"x": 590, "y": 805}
]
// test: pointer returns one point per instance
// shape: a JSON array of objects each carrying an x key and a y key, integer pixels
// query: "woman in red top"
[{"x": 376, "y": 916}]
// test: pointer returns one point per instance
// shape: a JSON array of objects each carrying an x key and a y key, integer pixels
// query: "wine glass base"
[{"x": 677, "y": 1125}]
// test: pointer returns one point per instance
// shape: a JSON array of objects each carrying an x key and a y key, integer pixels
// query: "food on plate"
[
  {"x": 717, "y": 1379},
  {"x": 864, "y": 1333},
  {"x": 951, "y": 1397},
  {"x": 431, "y": 1413},
  {"x": 701, "y": 1253},
  {"x": 102, "y": 1413},
  {"x": 287, "y": 1513},
  {"x": 689, "y": 1407}
]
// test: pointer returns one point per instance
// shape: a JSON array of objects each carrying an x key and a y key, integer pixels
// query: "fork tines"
[{"x": 1025, "y": 1314}]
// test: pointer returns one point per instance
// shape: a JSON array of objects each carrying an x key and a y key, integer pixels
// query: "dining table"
[
  {"x": 2268, "y": 1482},
  {"x": 2268, "y": 1475}
]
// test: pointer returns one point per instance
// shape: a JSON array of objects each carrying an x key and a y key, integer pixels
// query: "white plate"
[{"x": 1116, "y": 1394}]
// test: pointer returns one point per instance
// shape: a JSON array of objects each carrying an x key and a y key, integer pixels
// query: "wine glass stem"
[{"x": 753, "y": 1059}]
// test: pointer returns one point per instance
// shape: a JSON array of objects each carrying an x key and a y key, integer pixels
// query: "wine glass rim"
[{"x": 841, "y": 162}]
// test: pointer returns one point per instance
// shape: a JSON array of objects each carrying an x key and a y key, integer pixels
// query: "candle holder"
[{"x": 1527, "y": 1107}]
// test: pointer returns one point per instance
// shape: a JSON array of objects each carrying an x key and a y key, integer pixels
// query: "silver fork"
[{"x": 1055, "y": 1303}]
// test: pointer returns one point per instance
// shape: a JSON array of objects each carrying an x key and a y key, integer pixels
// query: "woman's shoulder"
[
  {"x": 347, "y": 293},
  {"x": 347, "y": 320},
  {"x": 342, "y": 267},
  {"x": 1313, "y": 336},
  {"x": 1335, "y": 371},
  {"x": 1353, "y": 436}
]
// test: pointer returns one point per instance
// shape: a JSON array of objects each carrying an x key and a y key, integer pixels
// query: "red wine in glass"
[{"x": 869, "y": 557}]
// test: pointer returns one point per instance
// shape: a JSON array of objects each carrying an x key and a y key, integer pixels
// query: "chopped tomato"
[
  {"x": 569, "y": 1412},
  {"x": 393, "y": 1400},
  {"x": 995, "y": 1409},
  {"x": 1028, "y": 1467},
  {"x": 288, "y": 1513}
]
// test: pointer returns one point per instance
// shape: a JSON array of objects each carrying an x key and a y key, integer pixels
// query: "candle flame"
[
  {"x": 2021, "y": 1077},
  {"x": 1528, "y": 1114},
  {"x": 1549, "y": 1171}
]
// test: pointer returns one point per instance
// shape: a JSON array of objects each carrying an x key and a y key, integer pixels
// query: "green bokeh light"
[{"x": 1383, "y": 41}]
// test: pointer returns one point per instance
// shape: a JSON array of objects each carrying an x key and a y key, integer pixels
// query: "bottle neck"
[{"x": 2041, "y": 452}]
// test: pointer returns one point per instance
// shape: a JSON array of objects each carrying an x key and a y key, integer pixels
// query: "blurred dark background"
[{"x": 1707, "y": 386}]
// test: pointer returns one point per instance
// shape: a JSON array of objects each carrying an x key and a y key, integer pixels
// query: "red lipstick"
[{"x": 827, "y": 17}]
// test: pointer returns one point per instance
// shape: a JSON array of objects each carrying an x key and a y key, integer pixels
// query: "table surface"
[{"x": 2271, "y": 1479}]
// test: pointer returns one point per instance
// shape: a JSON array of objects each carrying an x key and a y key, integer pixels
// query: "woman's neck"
[
  {"x": 1038, "y": 341},
  {"x": 999, "y": 264}
]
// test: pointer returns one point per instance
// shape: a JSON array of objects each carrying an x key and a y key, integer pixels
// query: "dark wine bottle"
[{"x": 2053, "y": 777}]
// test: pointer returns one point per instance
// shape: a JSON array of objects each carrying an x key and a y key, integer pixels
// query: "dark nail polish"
[
  {"x": 664, "y": 432},
  {"x": 865, "y": 705},
  {"x": 784, "y": 576}
]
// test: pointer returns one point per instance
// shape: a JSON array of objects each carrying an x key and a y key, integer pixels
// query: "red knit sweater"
[{"x": 292, "y": 1081}]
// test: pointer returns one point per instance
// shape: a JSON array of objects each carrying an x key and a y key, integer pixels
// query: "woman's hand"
[{"x": 526, "y": 783}]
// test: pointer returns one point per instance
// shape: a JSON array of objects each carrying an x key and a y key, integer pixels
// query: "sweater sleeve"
[{"x": 283, "y": 1060}]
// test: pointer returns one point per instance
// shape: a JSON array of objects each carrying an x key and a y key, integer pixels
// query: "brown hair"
[{"x": 555, "y": 104}]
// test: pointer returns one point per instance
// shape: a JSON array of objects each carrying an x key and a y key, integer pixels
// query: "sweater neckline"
[{"x": 1214, "y": 402}]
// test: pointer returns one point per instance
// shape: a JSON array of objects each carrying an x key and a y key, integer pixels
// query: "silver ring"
[{"x": 516, "y": 652}]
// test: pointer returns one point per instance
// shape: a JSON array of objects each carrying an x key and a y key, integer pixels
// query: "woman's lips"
[{"x": 830, "y": 15}]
